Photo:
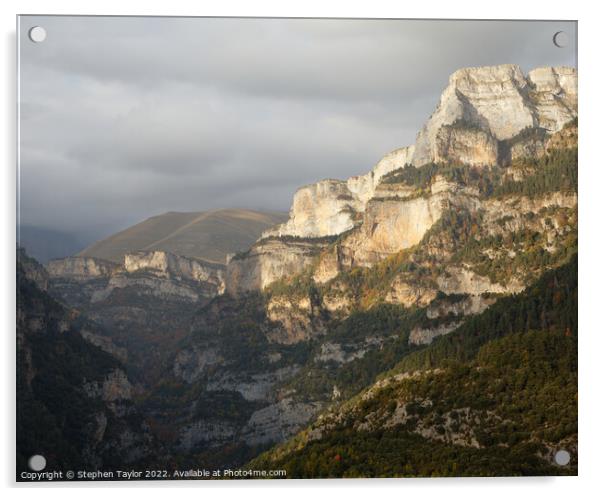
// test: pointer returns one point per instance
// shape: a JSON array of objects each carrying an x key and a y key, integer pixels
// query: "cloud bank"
[{"x": 124, "y": 118}]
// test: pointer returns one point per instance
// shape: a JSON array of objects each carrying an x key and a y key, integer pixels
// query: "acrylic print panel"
[{"x": 296, "y": 248}]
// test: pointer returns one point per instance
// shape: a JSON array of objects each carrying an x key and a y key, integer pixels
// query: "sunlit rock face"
[
  {"x": 484, "y": 106},
  {"x": 553, "y": 92},
  {"x": 269, "y": 260},
  {"x": 391, "y": 224},
  {"x": 486, "y": 116},
  {"x": 363, "y": 187},
  {"x": 79, "y": 280},
  {"x": 80, "y": 268},
  {"x": 321, "y": 209},
  {"x": 169, "y": 265}
]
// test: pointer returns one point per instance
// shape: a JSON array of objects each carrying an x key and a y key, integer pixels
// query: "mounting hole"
[
  {"x": 37, "y": 34},
  {"x": 560, "y": 39},
  {"x": 562, "y": 457},
  {"x": 37, "y": 463}
]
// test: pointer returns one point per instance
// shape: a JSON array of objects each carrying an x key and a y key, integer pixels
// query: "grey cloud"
[
  {"x": 305, "y": 58},
  {"x": 123, "y": 118}
]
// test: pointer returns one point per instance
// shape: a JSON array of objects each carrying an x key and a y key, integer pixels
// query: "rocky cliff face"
[
  {"x": 364, "y": 186},
  {"x": 80, "y": 268},
  {"x": 81, "y": 280},
  {"x": 487, "y": 116},
  {"x": 269, "y": 260},
  {"x": 325, "y": 208},
  {"x": 448, "y": 392},
  {"x": 440, "y": 231},
  {"x": 554, "y": 91},
  {"x": 331, "y": 207},
  {"x": 170, "y": 266},
  {"x": 295, "y": 319},
  {"x": 394, "y": 223},
  {"x": 484, "y": 107}
]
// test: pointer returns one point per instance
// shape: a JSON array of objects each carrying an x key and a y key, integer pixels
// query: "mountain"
[
  {"x": 496, "y": 397},
  {"x": 419, "y": 273},
  {"x": 207, "y": 235},
  {"x": 487, "y": 121}
]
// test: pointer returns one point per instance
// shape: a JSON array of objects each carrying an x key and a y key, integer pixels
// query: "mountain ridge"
[
  {"x": 540, "y": 322},
  {"x": 208, "y": 235},
  {"x": 486, "y": 117},
  {"x": 363, "y": 275}
]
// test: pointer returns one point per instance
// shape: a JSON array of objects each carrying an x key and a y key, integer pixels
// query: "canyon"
[{"x": 226, "y": 358}]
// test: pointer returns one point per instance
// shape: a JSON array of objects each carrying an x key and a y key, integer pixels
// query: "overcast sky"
[{"x": 125, "y": 118}]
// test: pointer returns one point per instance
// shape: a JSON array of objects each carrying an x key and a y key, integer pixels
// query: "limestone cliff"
[
  {"x": 486, "y": 106},
  {"x": 271, "y": 259},
  {"x": 391, "y": 224},
  {"x": 321, "y": 209},
  {"x": 81, "y": 280},
  {"x": 80, "y": 268},
  {"x": 168, "y": 265},
  {"x": 141, "y": 307},
  {"x": 440, "y": 231},
  {"x": 364, "y": 186},
  {"x": 330, "y": 207},
  {"x": 487, "y": 116}
]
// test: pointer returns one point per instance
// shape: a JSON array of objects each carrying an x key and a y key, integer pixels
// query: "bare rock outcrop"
[
  {"x": 325, "y": 208},
  {"x": 486, "y": 116},
  {"x": 80, "y": 268},
  {"x": 295, "y": 319},
  {"x": 191, "y": 364},
  {"x": 393, "y": 224},
  {"x": 497, "y": 101},
  {"x": 422, "y": 335},
  {"x": 81, "y": 280},
  {"x": 271, "y": 259},
  {"x": 168, "y": 265},
  {"x": 278, "y": 421},
  {"x": 408, "y": 294},
  {"x": 461, "y": 280},
  {"x": 364, "y": 186},
  {"x": 330, "y": 207},
  {"x": 466, "y": 305}
]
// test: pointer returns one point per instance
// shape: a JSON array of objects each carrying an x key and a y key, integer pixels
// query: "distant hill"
[{"x": 206, "y": 235}]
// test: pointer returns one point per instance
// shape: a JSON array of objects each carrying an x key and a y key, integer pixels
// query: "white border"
[{"x": 590, "y": 182}]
